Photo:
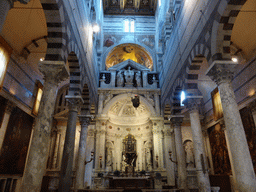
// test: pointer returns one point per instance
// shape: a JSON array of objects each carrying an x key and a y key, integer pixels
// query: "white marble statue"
[
  {"x": 109, "y": 157},
  {"x": 189, "y": 149},
  {"x": 129, "y": 74},
  {"x": 120, "y": 79},
  {"x": 138, "y": 78}
]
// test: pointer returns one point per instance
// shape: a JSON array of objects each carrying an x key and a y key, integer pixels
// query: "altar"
[{"x": 130, "y": 183}]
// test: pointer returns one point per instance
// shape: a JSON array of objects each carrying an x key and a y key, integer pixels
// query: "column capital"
[
  {"x": 85, "y": 120},
  {"x": 221, "y": 71},
  {"x": 74, "y": 102},
  {"x": 54, "y": 71},
  {"x": 167, "y": 132},
  {"x": 91, "y": 133},
  {"x": 9, "y": 107},
  {"x": 176, "y": 119},
  {"x": 193, "y": 102}
]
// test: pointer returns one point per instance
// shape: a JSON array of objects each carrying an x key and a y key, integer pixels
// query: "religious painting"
[
  {"x": 127, "y": 51},
  {"x": 219, "y": 151},
  {"x": 216, "y": 103},
  {"x": 5, "y": 54},
  {"x": 250, "y": 132},
  {"x": 15, "y": 146}
]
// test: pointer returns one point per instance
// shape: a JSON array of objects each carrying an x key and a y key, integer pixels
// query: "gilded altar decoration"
[
  {"x": 129, "y": 150},
  {"x": 127, "y": 51}
]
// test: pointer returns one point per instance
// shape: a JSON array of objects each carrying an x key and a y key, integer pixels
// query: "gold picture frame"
[
  {"x": 216, "y": 103},
  {"x": 5, "y": 54}
]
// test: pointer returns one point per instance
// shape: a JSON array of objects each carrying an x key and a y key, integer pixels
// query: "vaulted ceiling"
[{"x": 129, "y": 7}]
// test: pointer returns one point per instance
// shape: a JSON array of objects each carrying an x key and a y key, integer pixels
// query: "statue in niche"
[
  {"x": 138, "y": 78},
  {"x": 109, "y": 157},
  {"x": 129, "y": 74},
  {"x": 189, "y": 150},
  {"x": 120, "y": 79}
]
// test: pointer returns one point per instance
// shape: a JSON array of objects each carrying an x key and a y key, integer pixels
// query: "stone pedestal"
[
  {"x": 7, "y": 114},
  {"x": 68, "y": 151},
  {"x": 54, "y": 72},
  {"x": 180, "y": 152},
  {"x": 222, "y": 73},
  {"x": 192, "y": 103},
  {"x": 84, "y": 121}
]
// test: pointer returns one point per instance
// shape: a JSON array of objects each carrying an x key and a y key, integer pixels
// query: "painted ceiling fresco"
[{"x": 129, "y": 51}]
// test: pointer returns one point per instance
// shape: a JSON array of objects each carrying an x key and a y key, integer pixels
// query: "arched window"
[{"x": 182, "y": 98}]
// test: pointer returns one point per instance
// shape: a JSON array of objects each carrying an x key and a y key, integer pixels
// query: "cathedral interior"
[{"x": 127, "y": 95}]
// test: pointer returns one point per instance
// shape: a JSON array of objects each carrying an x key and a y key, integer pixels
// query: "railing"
[{"x": 10, "y": 183}]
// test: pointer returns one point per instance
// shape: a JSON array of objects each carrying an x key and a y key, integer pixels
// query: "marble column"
[
  {"x": 117, "y": 162},
  {"x": 157, "y": 145},
  {"x": 100, "y": 145},
  {"x": 54, "y": 72},
  {"x": 89, "y": 148},
  {"x": 66, "y": 172},
  {"x": 222, "y": 73},
  {"x": 168, "y": 147},
  {"x": 84, "y": 121},
  {"x": 192, "y": 103},
  {"x": 5, "y": 6},
  {"x": 139, "y": 152},
  {"x": 7, "y": 114},
  {"x": 180, "y": 152}
]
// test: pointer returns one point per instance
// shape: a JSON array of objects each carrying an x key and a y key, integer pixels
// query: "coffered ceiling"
[{"x": 129, "y": 7}]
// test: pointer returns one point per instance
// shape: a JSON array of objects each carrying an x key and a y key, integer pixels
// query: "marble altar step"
[{"x": 135, "y": 190}]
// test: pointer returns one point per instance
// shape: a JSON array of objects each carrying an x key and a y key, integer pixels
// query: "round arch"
[
  {"x": 146, "y": 48},
  {"x": 54, "y": 15},
  {"x": 222, "y": 28},
  {"x": 124, "y": 96}
]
